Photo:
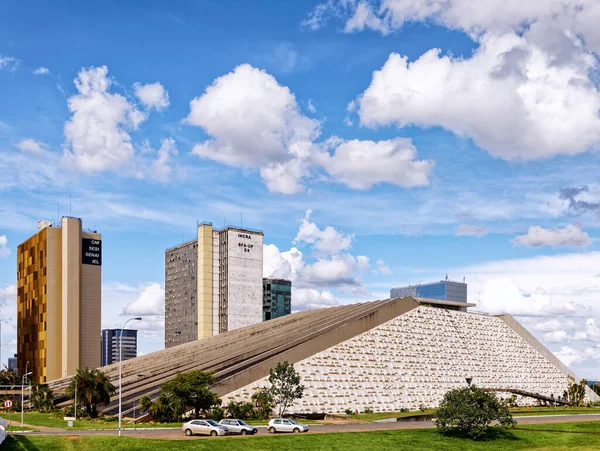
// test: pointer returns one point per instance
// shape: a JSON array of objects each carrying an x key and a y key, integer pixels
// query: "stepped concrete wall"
[{"x": 412, "y": 360}]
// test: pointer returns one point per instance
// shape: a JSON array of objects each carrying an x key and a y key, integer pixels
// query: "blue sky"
[{"x": 369, "y": 158}]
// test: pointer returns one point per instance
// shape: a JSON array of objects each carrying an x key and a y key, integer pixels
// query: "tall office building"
[
  {"x": 445, "y": 290},
  {"x": 59, "y": 277},
  {"x": 111, "y": 345},
  {"x": 213, "y": 284},
  {"x": 277, "y": 298},
  {"x": 12, "y": 364}
]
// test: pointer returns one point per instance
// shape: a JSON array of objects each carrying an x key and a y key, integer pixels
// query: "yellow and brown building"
[{"x": 59, "y": 275}]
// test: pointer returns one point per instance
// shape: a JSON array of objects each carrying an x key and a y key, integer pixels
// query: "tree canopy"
[
  {"x": 285, "y": 386},
  {"x": 470, "y": 411},
  {"x": 93, "y": 389}
]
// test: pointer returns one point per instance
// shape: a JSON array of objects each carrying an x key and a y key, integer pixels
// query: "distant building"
[
  {"x": 12, "y": 364},
  {"x": 444, "y": 290},
  {"x": 59, "y": 279},
  {"x": 110, "y": 345},
  {"x": 277, "y": 298},
  {"x": 213, "y": 284}
]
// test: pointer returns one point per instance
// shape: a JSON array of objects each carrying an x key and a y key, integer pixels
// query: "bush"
[
  {"x": 217, "y": 413},
  {"x": 404, "y": 409},
  {"x": 469, "y": 411},
  {"x": 240, "y": 410},
  {"x": 349, "y": 412},
  {"x": 368, "y": 411}
]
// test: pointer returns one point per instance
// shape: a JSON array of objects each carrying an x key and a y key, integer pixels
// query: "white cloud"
[
  {"x": 470, "y": 230},
  {"x": 151, "y": 301},
  {"x": 327, "y": 241},
  {"x": 160, "y": 167},
  {"x": 152, "y": 95},
  {"x": 514, "y": 98},
  {"x": 570, "y": 356},
  {"x": 309, "y": 298},
  {"x": 362, "y": 164},
  {"x": 4, "y": 249},
  {"x": 382, "y": 268},
  {"x": 537, "y": 236},
  {"x": 32, "y": 146},
  {"x": 255, "y": 122},
  {"x": 311, "y": 107},
  {"x": 498, "y": 16},
  {"x": 97, "y": 135},
  {"x": 9, "y": 63},
  {"x": 41, "y": 71}
]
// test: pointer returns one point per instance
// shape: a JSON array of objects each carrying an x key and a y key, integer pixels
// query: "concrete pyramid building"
[{"x": 384, "y": 355}]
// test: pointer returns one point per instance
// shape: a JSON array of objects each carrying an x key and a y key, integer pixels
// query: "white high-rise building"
[{"x": 213, "y": 284}]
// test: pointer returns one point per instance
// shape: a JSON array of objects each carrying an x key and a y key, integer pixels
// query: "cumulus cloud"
[
  {"x": 570, "y": 356},
  {"x": 152, "y": 95},
  {"x": 327, "y": 241},
  {"x": 253, "y": 121},
  {"x": 474, "y": 18},
  {"x": 151, "y": 301},
  {"x": 32, "y": 146},
  {"x": 4, "y": 249},
  {"x": 41, "y": 71},
  {"x": 470, "y": 230},
  {"x": 97, "y": 135},
  {"x": 538, "y": 236},
  {"x": 161, "y": 168},
  {"x": 582, "y": 198},
  {"x": 511, "y": 97},
  {"x": 328, "y": 265},
  {"x": 362, "y": 164}
]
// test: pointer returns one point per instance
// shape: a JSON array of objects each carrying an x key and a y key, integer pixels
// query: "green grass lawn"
[
  {"x": 520, "y": 411},
  {"x": 575, "y": 436},
  {"x": 55, "y": 420}
]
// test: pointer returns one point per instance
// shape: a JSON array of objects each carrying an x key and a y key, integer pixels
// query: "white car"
[
  {"x": 286, "y": 425},
  {"x": 206, "y": 427},
  {"x": 238, "y": 426}
]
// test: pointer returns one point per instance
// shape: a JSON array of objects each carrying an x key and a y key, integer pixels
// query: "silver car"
[
  {"x": 286, "y": 425},
  {"x": 206, "y": 427},
  {"x": 238, "y": 426}
]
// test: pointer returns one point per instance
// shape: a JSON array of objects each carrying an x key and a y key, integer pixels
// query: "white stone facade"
[
  {"x": 244, "y": 278},
  {"x": 412, "y": 360}
]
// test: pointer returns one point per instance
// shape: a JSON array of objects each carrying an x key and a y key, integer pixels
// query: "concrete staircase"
[{"x": 242, "y": 356}]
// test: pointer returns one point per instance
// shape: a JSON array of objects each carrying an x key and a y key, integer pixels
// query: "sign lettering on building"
[{"x": 91, "y": 252}]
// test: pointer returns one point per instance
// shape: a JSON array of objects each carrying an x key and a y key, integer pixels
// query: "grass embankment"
[
  {"x": 562, "y": 410},
  {"x": 55, "y": 420},
  {"x": 576, "y": 436}
]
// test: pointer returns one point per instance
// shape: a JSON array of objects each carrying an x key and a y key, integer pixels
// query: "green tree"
[
  {"x": 575, "y": 394},
  {"x": 240, "y": 410},
  {"x": 8, "y": 376},
  {"x": 93, "y": 389},
  {"x": 42, "y": 397},
  {"x": 470, "y": 411},
  {"x": 163, "y": 409},
  {"x": 285, "y": 386},
  {"x": 263, "y": 403},
  {"x": 192, "y": 390}
]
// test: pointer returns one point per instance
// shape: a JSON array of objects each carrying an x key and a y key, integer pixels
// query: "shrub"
[
  {"x": 469, "y": 411},
  {"x": 217, "y": 413},
  {"x": 263, "y": 403},
  {"x": 368, "y": 411},
  {"x": 404, "y": 409},
  {"x": 240, "y": 410},
  {"x": 349, "y": 412}
]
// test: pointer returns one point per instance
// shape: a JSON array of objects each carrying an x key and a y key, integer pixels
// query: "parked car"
[
  {"x": 238, "y": 426},
  {"x": 286, "y": 425},
  {"x": 206, "y": 427}
]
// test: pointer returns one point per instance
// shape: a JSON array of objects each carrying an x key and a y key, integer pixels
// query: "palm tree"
[
  {"x": 8, "y": 376},
  {"x": 42, "y": 397},
  {"x": 93, "y": 389}
]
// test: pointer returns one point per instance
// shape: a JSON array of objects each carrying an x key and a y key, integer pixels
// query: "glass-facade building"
[
  {"x": 110, "y": 345},
  {"x": 277, "y": 298},
  {"x": 444, "y": 290}
]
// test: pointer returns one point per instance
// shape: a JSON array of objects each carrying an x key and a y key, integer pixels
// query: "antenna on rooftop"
[{"x": 446, "y": 277}]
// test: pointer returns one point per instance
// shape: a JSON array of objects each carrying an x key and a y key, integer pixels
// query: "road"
[{"x": 177, "y": 434}]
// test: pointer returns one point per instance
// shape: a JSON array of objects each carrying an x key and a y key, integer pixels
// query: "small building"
[
  {"x": 444, "y": 290},
  {"x": 111, "y": 342},
  {"x": 277, "y": 298}
]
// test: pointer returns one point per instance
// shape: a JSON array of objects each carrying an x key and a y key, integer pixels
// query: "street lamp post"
[
  {"x": 138, "y": 318},
  {"x": 23, "y": 391}
]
